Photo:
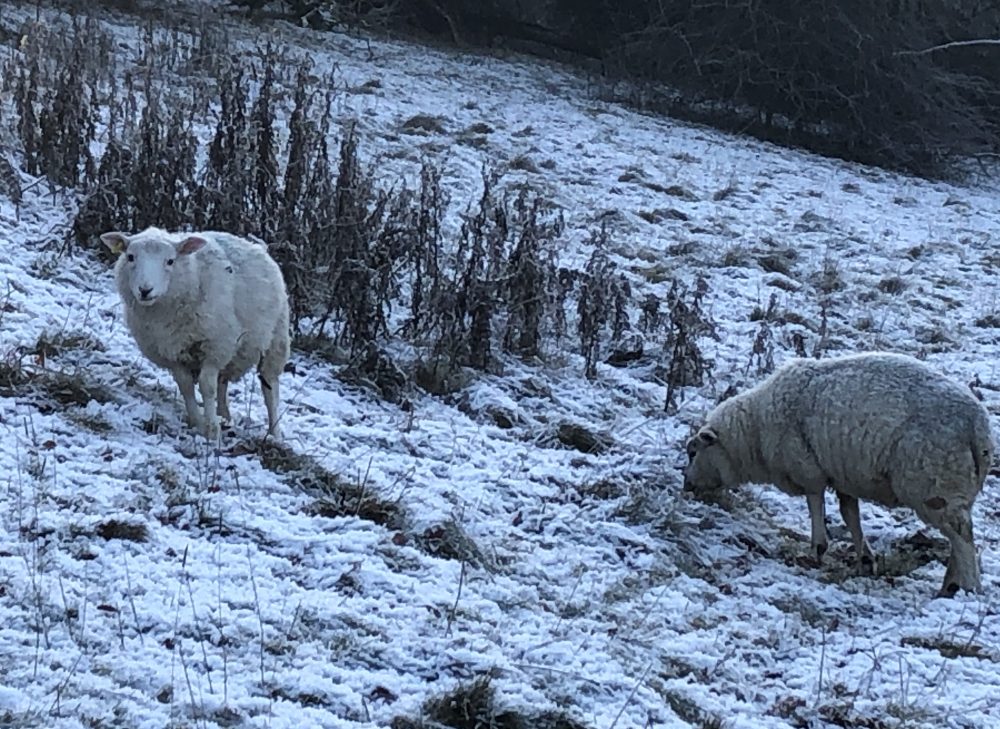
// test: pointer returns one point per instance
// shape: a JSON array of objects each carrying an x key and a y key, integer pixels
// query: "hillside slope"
[{"x": 388, "y": 555}]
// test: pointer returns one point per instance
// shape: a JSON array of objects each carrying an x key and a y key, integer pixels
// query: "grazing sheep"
[
  {"x": 874, "y": 426},
  {"x": 207, "y": 307}
]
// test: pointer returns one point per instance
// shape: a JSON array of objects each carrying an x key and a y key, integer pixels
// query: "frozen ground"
[{"x": 147, "y": 581}]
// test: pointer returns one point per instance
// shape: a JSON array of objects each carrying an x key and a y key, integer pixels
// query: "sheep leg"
[
  {"x": 851, "y": 513},
  {"x": 223, "y": 396},
  {"x": 185, "y": 383},
  {"x": 208, "y": 384},
  {"x": 817, "y": 516},
  {"x": 954, "y": 520},
  {"x": 963, "y": 563},
  {"x": 271, "y": 400},
  {"x": 269, "y": 370}
]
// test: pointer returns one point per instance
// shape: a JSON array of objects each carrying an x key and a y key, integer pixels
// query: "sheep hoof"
[
  {"x": 949, "y": 590},
  {"x": 820, "y": 550},
  {"x": 867, "y": 566},
  {"x": 956, "y": 578}
]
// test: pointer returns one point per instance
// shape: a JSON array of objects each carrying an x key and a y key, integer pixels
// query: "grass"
[
  {"x": 604, "y": 489},
  {"x": 376, "y": 371},
  {"x": 474, "y": 705},
  {"x": 736, "y": 256},
  {"x": 122, "y": 530},
  {"x": 524, "y": 163},
  {"x": 778, "y": 261},
  {"x": 580, "y": 438},
  {"x": 333, "y": 497},
  {"x": 20, "y": 376},
  {"x": 678, "y": 191},
  {"x": 424, "y": 124},
  {"x": 13, "y": 374},
  {"x": 94, "y": 422},
  {"x": 952, "y": 648},
  {"x": 438, "y": 376},
  {"x": 892, "y": 285},
  {"x": 449, "y": 541},
  {"x": 660, "y": 214},
  {"x": 64, "y": 389},
  {"x": 689, "y": 711},
  {"x": 657, "y": 273},
  {"x": 322, "y": 347},
  {"x": 724, "y": 193},
  {"x": 53, "y": 344},
  {"x": 843, "y": 715},
  {"x": 829, "y": 278}
]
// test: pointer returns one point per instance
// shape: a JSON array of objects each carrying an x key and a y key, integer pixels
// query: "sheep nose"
[{"x": 144, "y": 292}]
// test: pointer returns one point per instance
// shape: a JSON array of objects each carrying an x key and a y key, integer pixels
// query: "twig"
[
  {"x": 54, "y": 708},
  {"x": 121, "y": 627},
  {"x": 363, "y": 484},
  {"x": 631, "y": 695},
  {"x": 131, "y": 602},
  {"x": 458, "y": 595},
  {"x": 260, "y": 618},
  {"x": 951, "y": 44},
  {"x": 822, "y": 664},
  {"x": 187, "y": 679},
  {"x": 201, "y": 639},
  {"x": 561, "y": 671},
  {"x": 222, "y": 642}
]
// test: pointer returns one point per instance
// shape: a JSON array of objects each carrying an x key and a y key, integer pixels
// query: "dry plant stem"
[
  {"x": 260, "y": 618},
  {"x": 458, "y": 595},
  {"x": 631, "y": 695},
  {"x": 131, "y": 601}
]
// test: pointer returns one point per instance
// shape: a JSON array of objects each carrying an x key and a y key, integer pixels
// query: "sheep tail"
[{"x": 982, "y": 450}]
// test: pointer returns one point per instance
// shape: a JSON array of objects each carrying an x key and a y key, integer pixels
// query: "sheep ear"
[
  {"x": 190, "y": 245},
  {"x": 116, "y": 242},
  {"x": 706, "y": 436}
]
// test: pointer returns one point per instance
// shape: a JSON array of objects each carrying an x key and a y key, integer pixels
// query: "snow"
[{"x": 597, "y": 589}]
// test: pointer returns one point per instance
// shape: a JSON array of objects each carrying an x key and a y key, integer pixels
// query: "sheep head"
[
  {"x": 147, "y": 261},
  {"x": 709, "y": 467}
]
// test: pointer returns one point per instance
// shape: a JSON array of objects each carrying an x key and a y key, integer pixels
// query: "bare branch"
[{"x": 951, "y": 44}]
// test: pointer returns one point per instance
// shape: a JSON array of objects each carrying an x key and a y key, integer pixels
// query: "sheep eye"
[
  {"x": 130, "y": 257},
  {"x": 170, "y": 261}
]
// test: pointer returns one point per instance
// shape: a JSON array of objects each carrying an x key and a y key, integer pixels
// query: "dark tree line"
[
  {"x": 838, "y": 76},
  {"x": 849, "y": 78}
]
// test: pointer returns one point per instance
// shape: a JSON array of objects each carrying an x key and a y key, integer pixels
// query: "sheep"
[
  {"x": 875, "y": 426},
  {"x": 207, "y": 307}
]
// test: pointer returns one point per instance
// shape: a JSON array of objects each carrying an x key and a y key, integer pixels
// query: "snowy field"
[{"x": 148, "y": 580}]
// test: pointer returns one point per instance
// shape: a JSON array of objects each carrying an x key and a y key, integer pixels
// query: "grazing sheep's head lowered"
[
  {"x": 872, "y": 426},
  {"x": 149, "y": 262},
  {"x": 709, "y": 467}
]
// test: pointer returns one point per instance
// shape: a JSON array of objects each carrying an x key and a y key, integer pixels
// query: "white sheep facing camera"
[{"x": 207, "y": 307}]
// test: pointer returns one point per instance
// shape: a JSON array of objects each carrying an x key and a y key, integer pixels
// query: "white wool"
[
  {"x": 873, "y": 426},
  {"x": 208, "y": 307}
]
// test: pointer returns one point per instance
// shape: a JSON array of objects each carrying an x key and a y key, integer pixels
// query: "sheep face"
[
  {"x": 147, "y": 262},
  {"x": 709, "y": 467}
]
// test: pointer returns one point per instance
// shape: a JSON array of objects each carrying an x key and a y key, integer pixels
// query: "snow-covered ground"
[{"x": 148, "y": 581}]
